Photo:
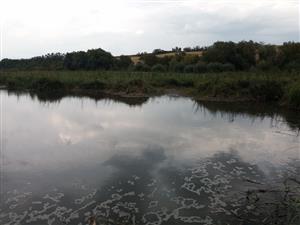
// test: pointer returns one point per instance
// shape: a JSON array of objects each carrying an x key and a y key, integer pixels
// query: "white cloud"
[{"x": 35, "y": 27}]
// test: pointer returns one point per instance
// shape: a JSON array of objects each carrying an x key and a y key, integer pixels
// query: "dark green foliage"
[
  {"x": 189, "y": 69},
  {"x": 264, "y": 65},
  {"x": 190, "y": 59},
  {"x": 75, "y": 60},
  {"x": 48, "y": 62},
  {"x": 99, "y": 59},
  {"x": 149, "y": 59},
  {"x": 173, "y": 82},
  {"x": 220, "y": 57},
  {"x": 214, "y": 67},
  {"x": 141, "y": 67},
  {"x": 47, "y": 85},
  {"x": 228, "y": 67},
  {"x": 278, "y": 87},
  {"x": 220, "y": 67},
  {"x": 176, "y": 66},
  {"x": 93, "y": 85},
  {"x": 123, "y": 62},
  {"x": 290, "y": 52},
  {"x": 158, "y": 68},
  {"x": 266, "y": 90},
  {"x": 136, "y": 86},
  {"x": 200, "y": 67},
  {"x": 241, "y": 55},
  {"x": 294, "y": 96},
  {"x": 293, "y": 66},
  {"x": 158, "y": 51},
  {"x": 91, "y": 60},
  {"x": 268, "y": 54}
]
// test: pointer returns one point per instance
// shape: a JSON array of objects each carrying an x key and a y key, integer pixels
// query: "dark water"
[{"x": 152, "y": 161}]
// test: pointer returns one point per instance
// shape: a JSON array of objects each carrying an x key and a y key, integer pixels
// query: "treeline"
[
  {"x": 221, "y": 56},
  {"x": 94, "y": 59},
  {"x": 226, "y": 56}
]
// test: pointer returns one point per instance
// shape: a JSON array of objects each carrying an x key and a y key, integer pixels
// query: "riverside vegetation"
[{"x": 225, "y": 71}]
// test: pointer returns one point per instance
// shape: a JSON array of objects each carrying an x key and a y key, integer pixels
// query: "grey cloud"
[{"x": 163, "y": 24}]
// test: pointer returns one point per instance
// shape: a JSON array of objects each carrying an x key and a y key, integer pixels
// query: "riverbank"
[{"x": 281, "y": 88}]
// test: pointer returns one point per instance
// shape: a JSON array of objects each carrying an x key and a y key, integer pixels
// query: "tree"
[
  {"x": 149, "y": 59},
  {"x": 123, "y": 62}
]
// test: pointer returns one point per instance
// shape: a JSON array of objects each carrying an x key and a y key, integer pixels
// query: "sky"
[{"x": 37, "y": 27}]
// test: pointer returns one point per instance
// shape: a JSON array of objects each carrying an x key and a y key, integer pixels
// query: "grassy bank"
[{"x": 273, "y": 87}]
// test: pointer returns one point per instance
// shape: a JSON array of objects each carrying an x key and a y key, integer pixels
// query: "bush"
[
  {"x": 46, "y": 85},
  {"x": 93, "y": 85},
  {"x": 220, "y": 67},
  {"x": 123, "y": 62},
  {"x": 178, "y": 83},
  {"x": 189, "y": 69},
  {"x": 176, "y": 66},
  {"x": 158, "y": 68},
  {"x": 215, "y": 67},
  {"x": 264, "y": 65},
  {"x": 228, "y": 67},
  {"x": 141, "y": 67},
  {"x": 266, "y": 90},
  {"x": 294, "y": 96},
  {"x": 293, "y": 66},
  {"x": 200, "y": 67}
]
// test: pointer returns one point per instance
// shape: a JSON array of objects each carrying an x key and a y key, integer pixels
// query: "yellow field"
[{"x": 135, "y": 59}]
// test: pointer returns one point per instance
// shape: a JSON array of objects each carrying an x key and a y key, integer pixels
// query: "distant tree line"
[
  {"x": 221, "y": 56},
  {"x": 94, "y": 59}
]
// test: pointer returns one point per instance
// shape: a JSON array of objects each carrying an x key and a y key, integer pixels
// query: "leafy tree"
[
  {"x": 290, "y": 52},
  {"x": 176, "y": 65},
  {"x": 158, "y": 51},
  {"x": 150, "y": 59},
  {"x": 189, "y": 69},
  {"x": 200, "y": 67},
  {"x": 123, "y": 62},
  {"x": 158, "y": 68},
  {"x": 141, "y": 67},
  {"x": 99, "y": 59}
]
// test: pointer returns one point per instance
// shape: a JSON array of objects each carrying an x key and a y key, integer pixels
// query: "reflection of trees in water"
[
  {"x": 230, "y": 111},
  {"x": 253, "y": 111},
  {"x": 57, "y": 96}
]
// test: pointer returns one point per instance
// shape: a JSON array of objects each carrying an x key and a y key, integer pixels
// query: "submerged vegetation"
[{"x": 268, "y": 87}]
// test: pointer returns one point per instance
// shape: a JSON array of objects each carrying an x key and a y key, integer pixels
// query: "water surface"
[{"x": 161, "y": 160}]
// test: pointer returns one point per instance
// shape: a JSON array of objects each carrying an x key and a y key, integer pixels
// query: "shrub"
[
  {"x": 200, "y": 67},
  {"x": 141, "y": 67},
  {"x": 189, "y": 69},
  {"x": 266, "y": 90},
  {"x": 176, "y": 66},
  {"x": 220, "y": 67},
  {"x": 178, "y": 83},
  {"x": 215, "y": 67},
  {"x": 136, "y": 86},
  {"x": 294, "y": 96},
  {"x": 45, "y": 84},
  {"x": 228, "y": 67},
  {"x": 93, "y": 85},
  {"x": 123, "y": 62},
  {"x": 293, "y": 66},
  {"x": 264, "y": 65},
  {"x": 158, "y": 68}
]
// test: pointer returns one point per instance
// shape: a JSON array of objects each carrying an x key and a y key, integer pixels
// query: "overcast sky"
[{"x": 37, "y": 27}]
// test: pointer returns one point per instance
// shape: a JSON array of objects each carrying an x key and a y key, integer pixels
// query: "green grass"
[{"x": 274, "y": 87}]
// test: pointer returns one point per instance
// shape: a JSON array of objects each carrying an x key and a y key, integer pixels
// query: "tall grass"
[{"x": 279, "y": 87}]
